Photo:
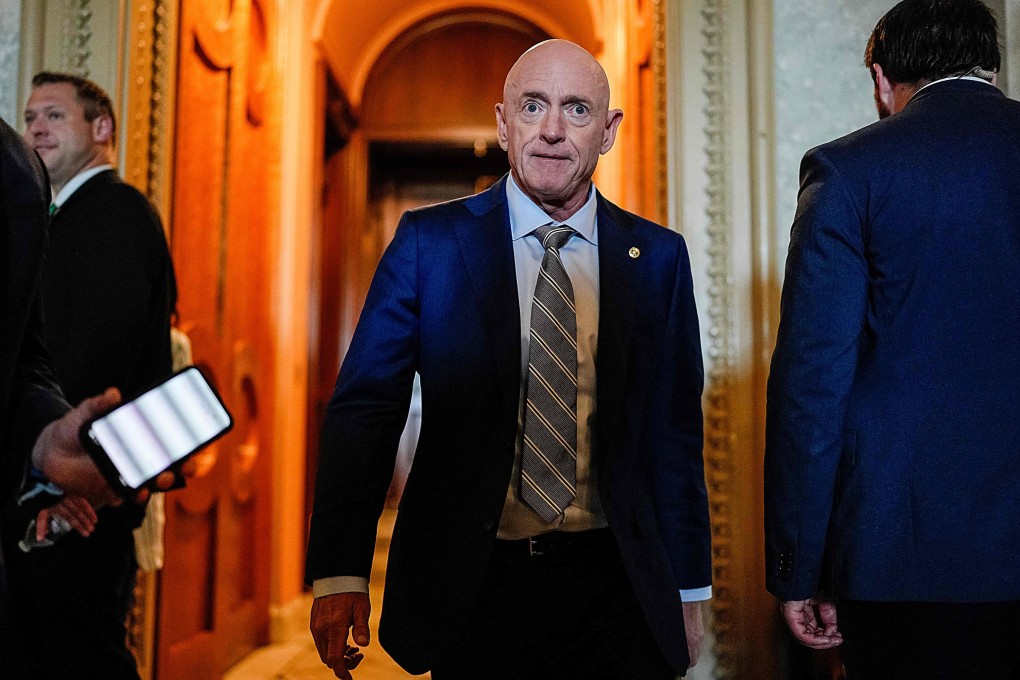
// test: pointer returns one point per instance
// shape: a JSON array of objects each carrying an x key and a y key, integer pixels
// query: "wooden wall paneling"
[
  {"x": 214, "y": 600},
  {"x": 187, "y": 622}
]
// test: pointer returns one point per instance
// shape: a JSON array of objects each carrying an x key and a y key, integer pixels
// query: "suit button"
[
  {"x": 785, "y": 565},
  {"x": 487, "y": 526}
]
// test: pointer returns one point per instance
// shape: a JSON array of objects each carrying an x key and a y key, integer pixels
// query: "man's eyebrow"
[
  {"x": 535, "y": 94},
  {"x": 577, "y": 99}
]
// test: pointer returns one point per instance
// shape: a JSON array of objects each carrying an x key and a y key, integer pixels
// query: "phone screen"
[{"x": 148, "y": 434}]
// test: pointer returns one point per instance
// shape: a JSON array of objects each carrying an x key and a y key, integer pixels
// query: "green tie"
[{"x": 53, "y": 208}]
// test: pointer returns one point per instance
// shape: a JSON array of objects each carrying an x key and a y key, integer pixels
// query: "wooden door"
[{"x": 214, "y": 590}]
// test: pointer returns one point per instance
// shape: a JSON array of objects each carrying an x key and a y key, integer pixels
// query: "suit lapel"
[
  {"x": 487, "y": 249},
  {"x": 619, "y": 292}
]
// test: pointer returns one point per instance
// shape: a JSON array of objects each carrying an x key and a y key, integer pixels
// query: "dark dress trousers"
[
  {"x": 109, "y": 290},
  {"x": 444, "y": 303},
  {"x": 893, "y": 439}
]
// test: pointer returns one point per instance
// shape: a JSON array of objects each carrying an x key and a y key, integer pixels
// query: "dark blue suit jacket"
[
  {"x": 893, "y": 440},
  {"x": 444, "y": 303}
]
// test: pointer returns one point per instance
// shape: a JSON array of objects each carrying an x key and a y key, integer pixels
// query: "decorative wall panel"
[
  {"x": 719, "y": 350},
  {"x": 76, "y": 36}
]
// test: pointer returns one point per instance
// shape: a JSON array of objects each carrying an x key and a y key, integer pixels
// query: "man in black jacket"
[
  {"x": 34, "y": 416},
  {"x": 109, "y": 290}
]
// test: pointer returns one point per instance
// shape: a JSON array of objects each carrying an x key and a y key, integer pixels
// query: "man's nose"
[
  {"x": 35, "y": 128},
  {"x": 553, "y": 127}
]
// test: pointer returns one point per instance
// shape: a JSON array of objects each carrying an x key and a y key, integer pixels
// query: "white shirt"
[
  {"x": 942, "y": 80},
  {"x": 75, "y": 183}
]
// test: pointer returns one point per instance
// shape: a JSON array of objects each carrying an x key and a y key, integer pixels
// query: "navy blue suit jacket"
[
  {"x": 444, "y": 303},
  {"x": 893, "y": 438}
]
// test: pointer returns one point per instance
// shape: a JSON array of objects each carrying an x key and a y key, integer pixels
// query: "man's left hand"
[
  {"x": 74, "y": 511},
  {"x": 694, "y": 623}
]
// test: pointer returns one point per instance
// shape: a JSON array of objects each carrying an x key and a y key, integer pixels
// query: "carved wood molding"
[
  {"x": 150, "y": 100},
  {"x": 148, "y": 126},
  {"x": 76, "y": 37},
  {"x": 661, "y": 110},
  {"x": 719, "y": 450}
]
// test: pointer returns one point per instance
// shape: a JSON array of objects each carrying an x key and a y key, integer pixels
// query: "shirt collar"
[
  {"x": 75, "y": 183},
  {"x": 942, "y": 80},
  {"x": 526, "y": 216}
]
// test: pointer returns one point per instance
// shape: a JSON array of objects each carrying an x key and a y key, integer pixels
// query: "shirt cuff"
[
  {"x": 339, "y": 584},
  {"x": 359, "y": 584},
  {"x": 693, "y": 595}
]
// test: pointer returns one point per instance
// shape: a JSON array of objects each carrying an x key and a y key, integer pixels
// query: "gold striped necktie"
[{"x": 549, "y": 455}]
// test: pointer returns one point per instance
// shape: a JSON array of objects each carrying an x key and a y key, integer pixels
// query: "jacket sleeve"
[
  {"x": 681, "y": 499},
  {"x": 822, "y": 322},
  {"x": 154, "y": 358},
  {"x": 36, "y": 398},
  {"x": 366, "y": 416}
]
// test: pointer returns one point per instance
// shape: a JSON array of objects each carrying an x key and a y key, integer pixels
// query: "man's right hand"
[
  {"x": 334, "y": 618},
  {"x": 59, "y": 453}
]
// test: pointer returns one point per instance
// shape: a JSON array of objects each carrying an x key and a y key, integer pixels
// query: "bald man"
[{"x": 554, "y": 523}]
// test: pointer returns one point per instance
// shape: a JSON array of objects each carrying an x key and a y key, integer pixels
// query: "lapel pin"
[{"x": 634, "y": 253}]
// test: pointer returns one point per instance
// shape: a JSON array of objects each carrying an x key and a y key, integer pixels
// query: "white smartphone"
[{"x": 136, "y": 441}]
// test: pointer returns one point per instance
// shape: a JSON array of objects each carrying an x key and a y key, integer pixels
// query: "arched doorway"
[{"x": 425, "y": 133}]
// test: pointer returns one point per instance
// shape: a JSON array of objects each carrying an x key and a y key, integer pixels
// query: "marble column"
[
  {"x": 10, "y": 47},
  {"x": 822, "y": 90}
]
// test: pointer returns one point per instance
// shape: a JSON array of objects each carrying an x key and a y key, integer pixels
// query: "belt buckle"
[{"x": 532, "y": 550}]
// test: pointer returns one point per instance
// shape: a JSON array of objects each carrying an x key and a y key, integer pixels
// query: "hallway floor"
[{"x": 296, "y": 658}]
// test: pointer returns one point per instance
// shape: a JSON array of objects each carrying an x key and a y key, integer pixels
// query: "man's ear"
[
  {"x": 613, "y": 120},
  {"x": 102, "y": 129},
  {"x": 501, "y": 131},
  {"x": 884, "y": 88}
]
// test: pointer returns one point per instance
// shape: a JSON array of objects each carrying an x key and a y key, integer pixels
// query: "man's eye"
[
  {"x": 579, "y": 109},
  {"x": 55, "y": 116},
  {"x": 531, "y": 107}
]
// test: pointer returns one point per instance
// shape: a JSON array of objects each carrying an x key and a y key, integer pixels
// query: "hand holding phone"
[{"x": 143, "y": 437}]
